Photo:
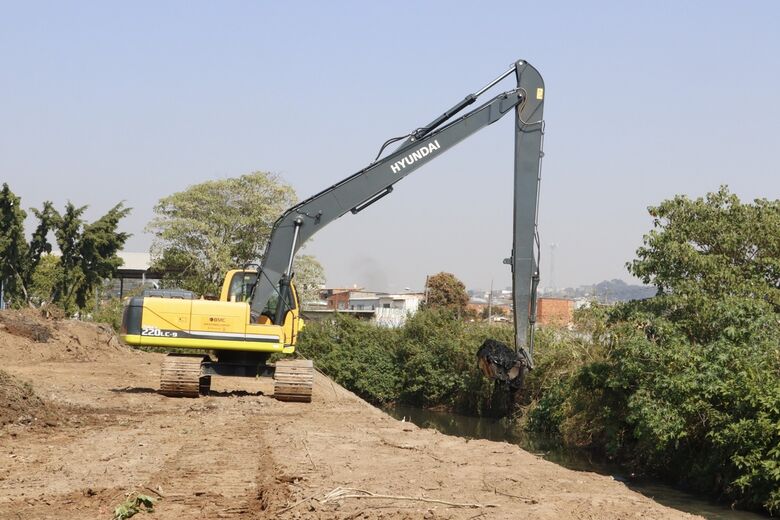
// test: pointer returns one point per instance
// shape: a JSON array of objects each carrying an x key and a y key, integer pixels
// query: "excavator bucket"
[{"x": 500, "y": 363}]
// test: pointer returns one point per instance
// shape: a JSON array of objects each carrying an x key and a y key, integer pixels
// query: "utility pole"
[{"x": 490, "y": 303}]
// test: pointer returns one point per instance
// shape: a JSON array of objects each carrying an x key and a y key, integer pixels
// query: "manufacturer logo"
[
  {"x": 154, "y": 331},
  {"x": 415, "y": 156},
  {"x": 217, "y": 320}
]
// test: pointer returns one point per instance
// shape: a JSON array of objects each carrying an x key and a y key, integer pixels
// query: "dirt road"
[{"x": 103, "y": 432}]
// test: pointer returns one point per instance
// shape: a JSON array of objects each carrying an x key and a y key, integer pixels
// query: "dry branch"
[
  {"x": 414, "y": 448},
  {"x": 308, "y": 454},
  {"x": 341, "y": 493},
  {"x": 296, "y": 504}
]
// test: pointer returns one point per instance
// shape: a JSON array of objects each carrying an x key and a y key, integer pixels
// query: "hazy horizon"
[{"x": 109, "y": 102}]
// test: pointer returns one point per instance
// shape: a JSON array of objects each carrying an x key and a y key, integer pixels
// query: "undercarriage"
[{"x": 189, "y": 375}]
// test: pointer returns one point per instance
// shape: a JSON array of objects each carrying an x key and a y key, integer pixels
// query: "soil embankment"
[{"x": 104, "y": 432}]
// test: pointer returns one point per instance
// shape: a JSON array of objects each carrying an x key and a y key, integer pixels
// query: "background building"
[{"x": 555, "y": 311}]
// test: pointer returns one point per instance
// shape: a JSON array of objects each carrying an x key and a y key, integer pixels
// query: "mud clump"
[{"x": 19, "y": 403}]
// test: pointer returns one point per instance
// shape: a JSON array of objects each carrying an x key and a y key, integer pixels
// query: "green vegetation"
[
  {"x": 134, "y": 504},
  {"x": 109, "y": 312},
  {"x": 31, "y": 276},
  {"x": 429, "y": 362},
  {"x": 686, "y": 385},
  {"x": 211, "y": 227}
]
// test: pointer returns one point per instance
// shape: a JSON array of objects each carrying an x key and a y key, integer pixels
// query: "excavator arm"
[{"x": 374, "y": 182}]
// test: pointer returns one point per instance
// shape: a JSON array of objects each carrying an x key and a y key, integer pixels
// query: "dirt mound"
[
  {"x": 19, "y": 403},
  {"x": 28, "y": 336},
  {"x": 25, "y": 324}
]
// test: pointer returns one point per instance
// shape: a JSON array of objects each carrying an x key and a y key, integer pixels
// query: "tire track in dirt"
[{"x": 222, "y": 469}]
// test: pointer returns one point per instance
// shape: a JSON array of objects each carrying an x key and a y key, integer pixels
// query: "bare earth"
[{"x": 103, "y": 432}]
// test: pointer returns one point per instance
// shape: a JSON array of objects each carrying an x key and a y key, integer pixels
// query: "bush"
[
  {"x": 109, "y": 312},
  {"x": 357, "y": 354},
  {"x": 430, "y": 361},
  {"x": 686, "y": 385},
  {"x": 703, "y": 414}
]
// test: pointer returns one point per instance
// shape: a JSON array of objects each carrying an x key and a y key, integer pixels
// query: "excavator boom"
[{"x": 374, "y": 182}]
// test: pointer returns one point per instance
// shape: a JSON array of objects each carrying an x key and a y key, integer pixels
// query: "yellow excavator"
[
  {"x": 258, "y": 312},
  {"x": 176, "y": 319}
]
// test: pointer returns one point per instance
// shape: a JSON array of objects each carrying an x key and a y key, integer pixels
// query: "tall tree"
[
  {"x": 39, "y": 244},
  {"x": 685, "y": 384},
  {"x": 444, "y": 290},
  {"x": 99, "y": 244},
  {"x": 68, "y": 234},
  {"x": 715, "y": 244},
  {"x": 214, "y": 226},
  {"x": 709, "y": 252},
  {"x": 88, "y": 253},
  {"x": 13, "y": 246}
]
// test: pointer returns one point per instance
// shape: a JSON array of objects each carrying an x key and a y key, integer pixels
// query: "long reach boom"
[{"x": 419, "y": 147}]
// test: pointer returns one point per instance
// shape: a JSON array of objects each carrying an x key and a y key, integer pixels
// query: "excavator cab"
[{"x": 239, "y": 285}]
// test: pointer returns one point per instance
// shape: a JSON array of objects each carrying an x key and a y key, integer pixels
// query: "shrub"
[
  {"x": 430, "y": 361},
  {"x": 704, "y": 414}
]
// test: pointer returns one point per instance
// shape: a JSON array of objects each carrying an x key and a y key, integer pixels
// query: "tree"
[
  {"x": 68, "y": 232},
  {"x": 714, "y": 244},
  {"x": 39, "y": 245},
  {"x": 211, "y": 227},
  {"x": 44, "y": 281},
  {"x": 98, "y": 247},
  {"x": 309, "y": 278},
  {"x": 444, "y": 290},
  {"x": 88, "y": 253},
  {"x": 684, "y": 384},
  {"x": 13, "y": 246},
  {"x": 708, "y": 253}
]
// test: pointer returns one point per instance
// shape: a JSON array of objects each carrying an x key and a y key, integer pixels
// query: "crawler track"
[
  {"x": 182, "y": 376},
  {"x": 293, "y": 380}
]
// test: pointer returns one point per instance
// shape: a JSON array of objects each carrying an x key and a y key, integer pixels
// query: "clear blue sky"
[{"x": 109, "y": 101}]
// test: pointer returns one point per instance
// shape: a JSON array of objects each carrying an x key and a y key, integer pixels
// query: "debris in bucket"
[{"x": 498, "y": 361}]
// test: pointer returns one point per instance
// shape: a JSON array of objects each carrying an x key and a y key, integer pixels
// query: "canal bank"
[{"x": 499, "y": 430}]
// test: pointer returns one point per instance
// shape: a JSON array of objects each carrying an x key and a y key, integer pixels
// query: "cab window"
[
  {"x": 241, "y": 286},
  {"x": 273, "y": 301}
]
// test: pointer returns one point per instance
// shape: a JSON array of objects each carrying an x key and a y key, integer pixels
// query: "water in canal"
[{"x": 496, "y": 430}]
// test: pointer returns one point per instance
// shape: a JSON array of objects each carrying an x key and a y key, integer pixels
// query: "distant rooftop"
[{"x": 135, "y": 261}]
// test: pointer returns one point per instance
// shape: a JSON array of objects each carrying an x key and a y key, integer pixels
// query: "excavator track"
[
  {"x": 182, "y": 376},
  {"x": 293, "y": 380}
]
